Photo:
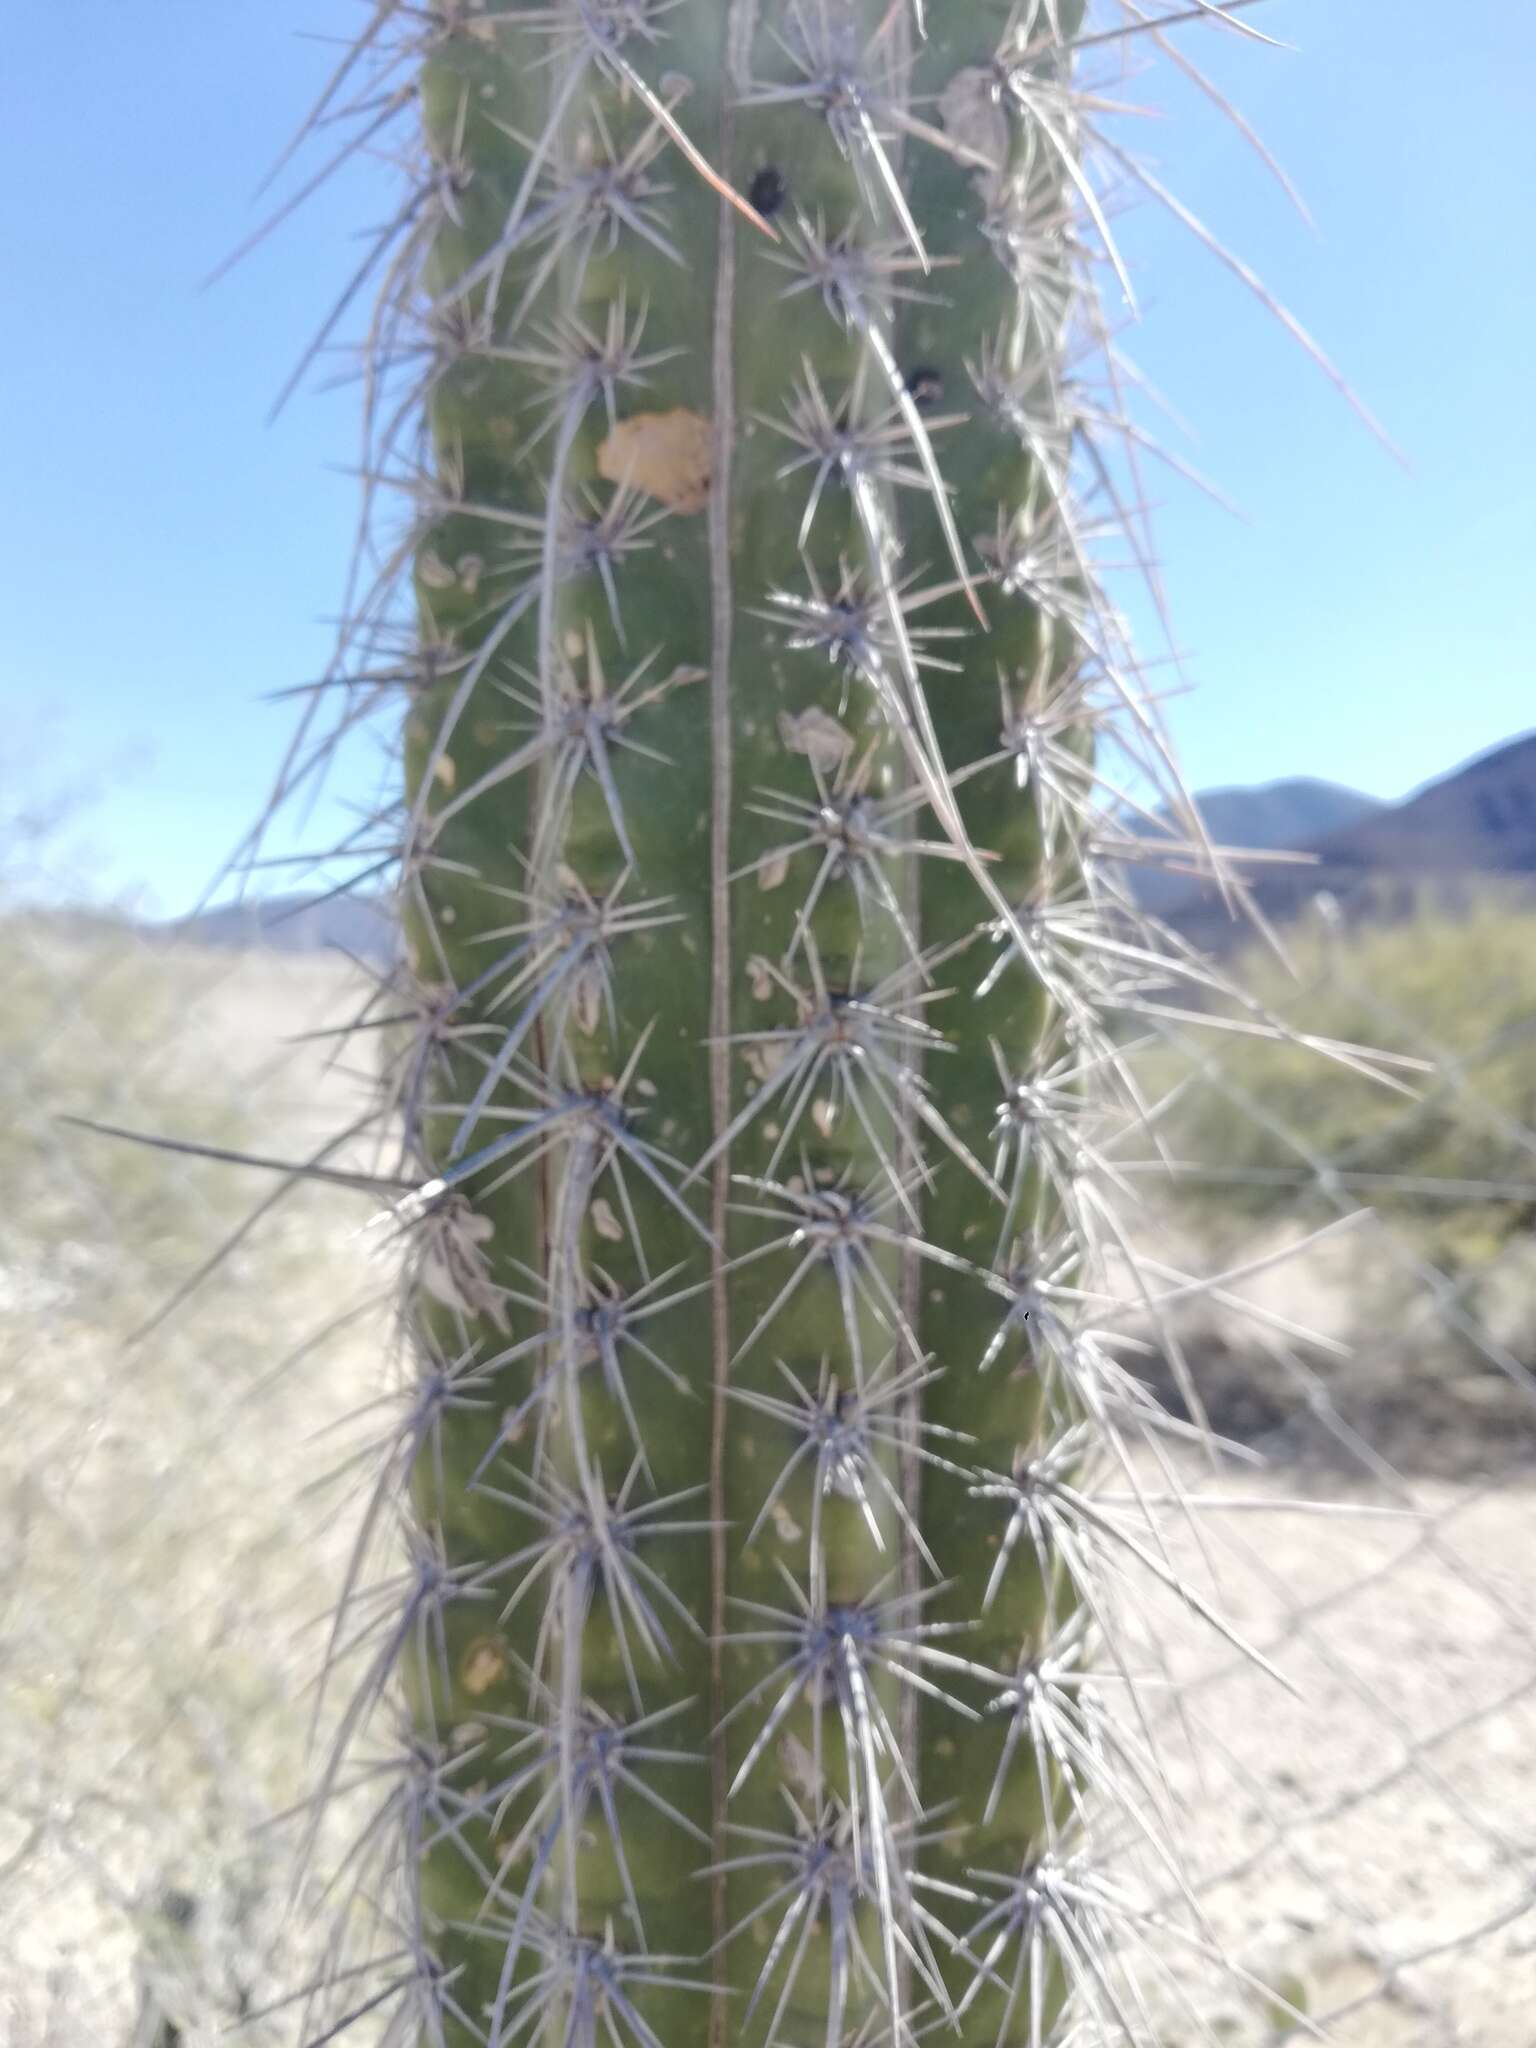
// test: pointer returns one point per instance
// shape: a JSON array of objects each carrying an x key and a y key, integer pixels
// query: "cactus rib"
[{"x": 757, "y": 1074}]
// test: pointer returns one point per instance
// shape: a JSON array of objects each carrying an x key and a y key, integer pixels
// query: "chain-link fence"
[
  {"x": 185, "y": 1468},
  {"x": 1367, "y": 1844}
]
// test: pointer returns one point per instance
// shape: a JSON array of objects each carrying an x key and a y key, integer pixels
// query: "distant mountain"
[
  {"x": 1478, "y": 821},
  {"x": 1482, "y": 815},
  {"x": 1288, "y": 814},
  {"x": 358, "y": 924},
  {"x": 1475, "y": 824}
]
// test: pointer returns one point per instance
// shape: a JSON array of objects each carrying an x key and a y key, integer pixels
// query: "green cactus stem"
[{"x": 765, "y": 947}]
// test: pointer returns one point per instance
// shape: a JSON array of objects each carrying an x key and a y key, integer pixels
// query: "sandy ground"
[
  {"x": 1385, "y": 1810},
  {"x": 165, "y": 1545}
]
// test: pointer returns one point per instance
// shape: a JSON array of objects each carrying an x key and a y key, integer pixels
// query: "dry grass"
[{"x": 161, "y": 1551}]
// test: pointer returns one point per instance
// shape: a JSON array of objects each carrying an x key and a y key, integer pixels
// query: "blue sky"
[{"x": 166, "y": 558}]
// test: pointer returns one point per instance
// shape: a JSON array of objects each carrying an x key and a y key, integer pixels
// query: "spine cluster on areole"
[{"x": 765, "y": 946}]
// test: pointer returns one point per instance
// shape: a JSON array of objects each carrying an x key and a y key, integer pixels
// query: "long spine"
[{"x": 766, "y": 955}]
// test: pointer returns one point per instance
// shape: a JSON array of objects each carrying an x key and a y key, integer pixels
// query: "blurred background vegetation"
[
  {"x": 1267, "y": 1118},
  {"x": 1430, "y": 1303},
  {"x": 168, "y": 1542}
]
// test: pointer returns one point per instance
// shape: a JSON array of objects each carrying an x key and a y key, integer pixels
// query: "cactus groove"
[{"x": 763, "y": 957}]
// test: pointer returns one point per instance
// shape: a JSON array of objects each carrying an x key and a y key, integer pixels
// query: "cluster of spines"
[{"x": 837, "y": 1270}]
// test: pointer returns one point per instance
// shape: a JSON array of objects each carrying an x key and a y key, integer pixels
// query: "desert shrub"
[{"x": 1450, "y": 1153}]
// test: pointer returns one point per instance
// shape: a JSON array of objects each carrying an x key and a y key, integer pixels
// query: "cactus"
[{"x": 764, "y": 1463}]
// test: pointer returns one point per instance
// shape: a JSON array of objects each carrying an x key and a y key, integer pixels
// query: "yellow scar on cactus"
[{"x": 665, "y": 454}]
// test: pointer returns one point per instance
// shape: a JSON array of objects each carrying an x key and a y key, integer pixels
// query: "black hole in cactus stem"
[
  {"x": 768, "y": 191},
  {"x": 179, "y": 1907},
  {"x": 926, "y": 384}
]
